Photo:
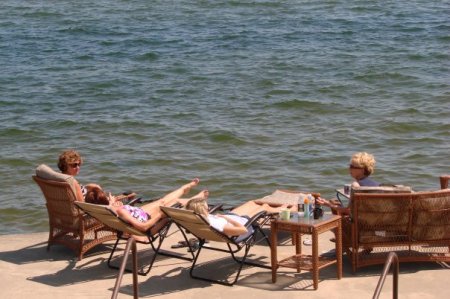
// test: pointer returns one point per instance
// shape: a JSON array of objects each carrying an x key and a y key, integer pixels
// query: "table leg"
[
  {"x": 315, "y": 258},
  {"x": 273, "y": 250},
  {"x": 339, "y": 249},
  {"x": 298, "y": 247}
]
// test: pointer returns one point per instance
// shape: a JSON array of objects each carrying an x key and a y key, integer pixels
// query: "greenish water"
[{"x": 250, "y": 96}]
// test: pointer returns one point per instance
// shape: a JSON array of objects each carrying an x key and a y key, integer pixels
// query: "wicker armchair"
[{"x": 68, "y": 225}]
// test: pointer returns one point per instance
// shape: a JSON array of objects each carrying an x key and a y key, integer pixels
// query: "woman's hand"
[
  {"x": 323, "y": 202},
  {"x": 113, "y": 201}
]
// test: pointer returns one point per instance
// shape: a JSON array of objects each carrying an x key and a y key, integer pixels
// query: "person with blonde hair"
[
  {"x": 229, "y": 224},
  {"x": 361, "y": 166}
]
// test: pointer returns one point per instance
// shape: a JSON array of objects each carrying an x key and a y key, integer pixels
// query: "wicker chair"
[
  {"x": 414, "y": 225},
  {"x": 68, "y": 225}
]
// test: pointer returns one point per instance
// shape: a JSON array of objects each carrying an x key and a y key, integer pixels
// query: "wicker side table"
[{"x": 299, "y": 261}]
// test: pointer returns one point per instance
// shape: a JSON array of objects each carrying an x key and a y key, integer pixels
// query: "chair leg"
[
  {"x": 50, "y": 238},
  {"x": 156, "y": 251},
  {"x": 191, "y": 272},
  {"x": 241, "y": 263}
]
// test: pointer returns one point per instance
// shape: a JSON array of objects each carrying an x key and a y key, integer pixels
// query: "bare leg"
[
  {"x": 202, "y": 194},
  {"x": 171, "y": 198}
]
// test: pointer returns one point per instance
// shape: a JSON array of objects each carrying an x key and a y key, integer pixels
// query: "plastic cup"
[
  {"x": 347, "y": 189},
  {"x": 285, "y": 214}
]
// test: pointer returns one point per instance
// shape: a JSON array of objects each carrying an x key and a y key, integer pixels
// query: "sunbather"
[
  {"x": 147, "y": 215},
  {"x": 230, "y": 225}
]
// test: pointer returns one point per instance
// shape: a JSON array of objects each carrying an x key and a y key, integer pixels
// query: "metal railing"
[
  {"x": 131, "y": 243},
  {"x": 392, "y": 259}
]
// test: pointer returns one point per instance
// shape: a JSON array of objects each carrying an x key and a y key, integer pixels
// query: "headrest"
[{"x": 45, "y": 172}]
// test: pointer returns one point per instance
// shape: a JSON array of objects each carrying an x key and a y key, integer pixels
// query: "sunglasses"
[
  {"x": 74, "y": 165},
  {"x": 354, "y": 167}
]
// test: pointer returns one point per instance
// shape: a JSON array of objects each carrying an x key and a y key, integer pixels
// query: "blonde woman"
[
  {"x": 230, "y": 224},
  {"x": 361, "y": 166}
]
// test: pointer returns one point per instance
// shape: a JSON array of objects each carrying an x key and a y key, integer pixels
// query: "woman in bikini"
[{"x": 145, "y": 216}]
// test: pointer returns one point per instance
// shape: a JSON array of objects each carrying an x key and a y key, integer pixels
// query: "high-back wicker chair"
[{"x": 68, "y": 225}]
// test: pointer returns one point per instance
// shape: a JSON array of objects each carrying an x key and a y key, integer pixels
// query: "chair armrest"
[
  {"x": 215, "y": 208},
  {"x": 254, "y": 220},
  {"x": 134, "y": 201}
]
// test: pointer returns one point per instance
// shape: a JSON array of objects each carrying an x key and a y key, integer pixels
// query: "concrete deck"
[{"x": 28, "y": 270}]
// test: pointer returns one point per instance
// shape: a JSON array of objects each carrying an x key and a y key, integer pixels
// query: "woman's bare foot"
[
  {"x": 201, "y": 195},
  {"x": 186, "y": 188}
]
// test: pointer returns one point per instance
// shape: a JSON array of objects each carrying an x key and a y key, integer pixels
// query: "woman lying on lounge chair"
[
  {"x": 147, "y": 215},
  {"x": 231, "y": 224}
]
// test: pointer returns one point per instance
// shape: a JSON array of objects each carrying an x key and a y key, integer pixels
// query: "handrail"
[
  {"x": 392, "y": 259},
  {"x": 130, "y": 243}
]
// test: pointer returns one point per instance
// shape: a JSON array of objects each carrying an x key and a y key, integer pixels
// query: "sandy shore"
[{"x": 28, "y": 270}]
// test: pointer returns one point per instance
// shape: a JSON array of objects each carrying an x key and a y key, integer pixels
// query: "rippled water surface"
[{"x": 250, "y": 96}]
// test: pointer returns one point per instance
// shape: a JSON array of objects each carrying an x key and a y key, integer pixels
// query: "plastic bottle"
[
  {"x": 306, "y": 202},
  {"x": 300, "y": 204},
  {"x": 312, "y": 204}
]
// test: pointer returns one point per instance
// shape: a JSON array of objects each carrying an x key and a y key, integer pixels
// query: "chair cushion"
[
  {"x": 47, "y": 173},
  {"x": 279, "y": 197}
]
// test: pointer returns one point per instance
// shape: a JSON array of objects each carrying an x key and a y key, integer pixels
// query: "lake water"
[{"x": 250, "y": 96}]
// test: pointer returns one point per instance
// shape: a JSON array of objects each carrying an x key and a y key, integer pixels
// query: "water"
[{"x": 250, "y": 96}]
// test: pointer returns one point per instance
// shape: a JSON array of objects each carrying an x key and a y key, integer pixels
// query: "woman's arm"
[
  {"x": 233, "y": 228},
  {"x": 142, "y": 226},
  {"x": 78, "y": 194},
  {"x": 337, "y": 208}
]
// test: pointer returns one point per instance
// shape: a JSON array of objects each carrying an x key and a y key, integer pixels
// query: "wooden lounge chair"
[
  {"x": 68, "y": 225},
  {"x": 200, "y": 228},
  {"x": 153, "y": 236}
]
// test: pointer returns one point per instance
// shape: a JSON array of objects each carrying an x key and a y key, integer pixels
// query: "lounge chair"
[
  {"x": 199, "y": 226},
  {"x": 153, "y": 236},
  {"x": 68, "y": 225},
  {"x": 281, "y": 197}
]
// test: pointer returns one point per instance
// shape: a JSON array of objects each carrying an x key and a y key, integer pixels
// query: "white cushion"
[
  {"x": 282, "y": 197},
  {"x": 45, "y": 172}
]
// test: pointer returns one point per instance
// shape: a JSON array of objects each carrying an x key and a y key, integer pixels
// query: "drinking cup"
[
  {"x": 347, "y": 189},
  {"x": 285, "y": 214}
]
